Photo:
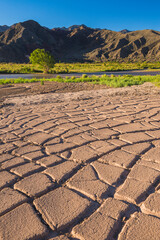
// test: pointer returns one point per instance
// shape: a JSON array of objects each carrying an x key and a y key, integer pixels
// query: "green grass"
[
  {"x": 10, "y": 68},
  {"x": 110, "y": 81}
]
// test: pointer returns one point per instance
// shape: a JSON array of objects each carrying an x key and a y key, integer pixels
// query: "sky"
[{"x": 113, "y": 14}]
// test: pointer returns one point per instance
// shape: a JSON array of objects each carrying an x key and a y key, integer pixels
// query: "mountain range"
[{"x": 78, "y": 43}]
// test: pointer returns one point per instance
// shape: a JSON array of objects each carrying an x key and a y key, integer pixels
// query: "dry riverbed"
[{"x": 80, "y": 164}]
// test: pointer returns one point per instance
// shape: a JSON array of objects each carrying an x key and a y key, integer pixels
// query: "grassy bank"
[
  {"x": 78, "y": 67},
  {"x": 111, "y": 81}
]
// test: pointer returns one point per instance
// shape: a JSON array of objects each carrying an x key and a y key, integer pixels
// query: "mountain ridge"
[
  {"x": 78, "y": 43},
  {"x": 3, "y": 28}
]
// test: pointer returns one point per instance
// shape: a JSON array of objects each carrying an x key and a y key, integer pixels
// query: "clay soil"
[
  {"x": 48, "y": 87},
  {"x": 80, "y": 165}
]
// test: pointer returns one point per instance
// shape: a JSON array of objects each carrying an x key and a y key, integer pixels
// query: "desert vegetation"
[
  {"x": 43, "y": 59},
  {"x": 110, "y": 81},
  {"x": 11, "y": 68}
]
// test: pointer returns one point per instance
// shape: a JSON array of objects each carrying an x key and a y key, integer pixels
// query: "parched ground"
[
  {"x": 81, "y": 165},
  {"x": 48, "y": 87}
]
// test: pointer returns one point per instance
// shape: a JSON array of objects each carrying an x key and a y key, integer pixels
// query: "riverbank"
[{"x": 60, "y": 68}]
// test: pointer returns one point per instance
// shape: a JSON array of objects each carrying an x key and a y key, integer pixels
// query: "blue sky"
[{"x": 113, "y": 14}]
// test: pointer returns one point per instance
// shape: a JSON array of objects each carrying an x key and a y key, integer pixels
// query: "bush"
[
  {"x": 84, "y": 76},
  {"x": 42, "y": 58},
  {"x": 112, "y": 75},
  {"x": 59, "y": 77}
]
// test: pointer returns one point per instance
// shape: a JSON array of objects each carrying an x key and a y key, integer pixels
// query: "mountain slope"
[
  {"x": 4, "y": 28},
  {"x": 78, "y": 43},
  {"x": 21, "y": 39}
]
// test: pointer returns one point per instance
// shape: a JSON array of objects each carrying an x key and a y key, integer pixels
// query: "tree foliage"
[{"x": 42, "y": 58}]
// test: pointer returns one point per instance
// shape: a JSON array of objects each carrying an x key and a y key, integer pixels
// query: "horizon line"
[{"x": 79, "y": 25}]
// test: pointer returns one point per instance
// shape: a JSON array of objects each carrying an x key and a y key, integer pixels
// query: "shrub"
[
  {"x": 84, "y": 76},
  {"x": 42, "y": 58},
  {"x": 59, "y": 77},
  {"x": 112, "y": 75}
]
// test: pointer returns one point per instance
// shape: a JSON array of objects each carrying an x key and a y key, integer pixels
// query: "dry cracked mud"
[{"x": 81, "y": 166}]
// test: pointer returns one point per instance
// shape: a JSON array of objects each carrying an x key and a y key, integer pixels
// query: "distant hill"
[
  {"x": 4, "y": 28},
  {"x": 78, "y": 43}
]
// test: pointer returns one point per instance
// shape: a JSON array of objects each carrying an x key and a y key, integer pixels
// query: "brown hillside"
[{"x": 78, "y": 43}]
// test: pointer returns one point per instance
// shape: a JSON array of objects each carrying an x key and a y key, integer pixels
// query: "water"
[{"x": 38, "y": 76}]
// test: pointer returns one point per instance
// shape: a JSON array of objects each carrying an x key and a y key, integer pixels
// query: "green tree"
[{"x": 42, "y": 58}]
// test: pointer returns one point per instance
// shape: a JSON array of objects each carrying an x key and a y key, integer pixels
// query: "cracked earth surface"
[{"x": 81, "y": 166}]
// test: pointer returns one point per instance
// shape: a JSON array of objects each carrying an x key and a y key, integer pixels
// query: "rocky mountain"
[
  {"x": 4, "y": 28},
  {"x": 125, "y": 31},
  {"x": 78, "y": 43},
  {"x": 21, "y": 39}
]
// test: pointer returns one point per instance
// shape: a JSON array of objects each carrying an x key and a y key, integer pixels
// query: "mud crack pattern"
[{"x": 86, "y": 169}]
